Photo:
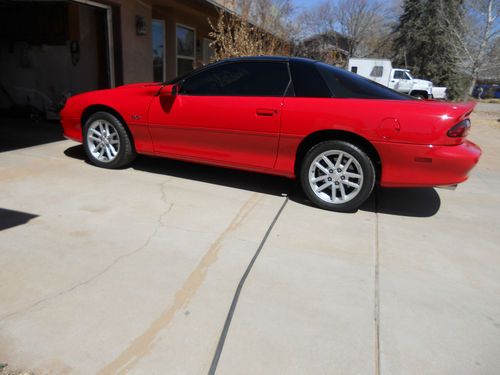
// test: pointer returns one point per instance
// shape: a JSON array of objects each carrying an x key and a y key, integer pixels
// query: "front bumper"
[
  {"x": 405, "y": 165},
  {"x": 72, "y": 127}
]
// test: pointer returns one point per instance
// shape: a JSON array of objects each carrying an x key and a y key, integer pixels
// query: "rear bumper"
[{"x": 405, "y": 165}]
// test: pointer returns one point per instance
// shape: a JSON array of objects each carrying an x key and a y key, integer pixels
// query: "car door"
[
  {"x": 228, "y": 114},
  {"x": 400, "y": 81}
]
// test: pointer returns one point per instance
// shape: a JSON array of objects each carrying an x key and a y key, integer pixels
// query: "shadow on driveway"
[
  {"x": 11, "y": 218},
  {"x": 413, "y": 202},
  {"x": 18, "y": 132}
]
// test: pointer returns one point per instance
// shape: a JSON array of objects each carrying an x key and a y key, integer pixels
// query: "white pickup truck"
[{"x": 381, "y": 71}]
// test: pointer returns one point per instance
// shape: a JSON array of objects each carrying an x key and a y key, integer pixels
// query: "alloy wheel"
[
  {"x": 335, "y": 176},
  {"x": 103, "y": 141}
]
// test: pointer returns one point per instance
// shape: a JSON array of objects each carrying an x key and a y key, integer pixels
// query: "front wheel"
[
  {"x": 106, "y": 141},
  {"x": 337, "y": 176}
]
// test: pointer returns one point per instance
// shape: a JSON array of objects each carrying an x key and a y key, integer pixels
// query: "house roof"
[{"x": 332, "y": 39}]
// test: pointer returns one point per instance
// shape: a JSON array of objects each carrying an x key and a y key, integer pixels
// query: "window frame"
[
  {"x": 177, "y": 56},
  {"x": 162, "y": 21},
  {"x": 216, "y": 65},
  {"x": 205, "y": 49}
]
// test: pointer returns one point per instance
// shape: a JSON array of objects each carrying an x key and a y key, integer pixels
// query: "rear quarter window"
[
  {"x": 307, "y": 82},
  {"x": 344, "y": 84}
]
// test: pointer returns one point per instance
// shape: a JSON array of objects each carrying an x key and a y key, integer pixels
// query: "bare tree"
[
  {"x": 359, "y": 20},
  {"x": 365, "y": 23},
  {"x": 490, "y": 69},
  {"x": 257, "y": 27},
  {"x": 476, "y": 39},
  {"x": 318, "y": 20}
]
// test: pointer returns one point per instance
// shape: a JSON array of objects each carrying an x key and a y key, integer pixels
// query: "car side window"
[{"x": 249, "y": 78}]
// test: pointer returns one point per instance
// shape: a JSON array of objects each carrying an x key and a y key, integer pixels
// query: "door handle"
[{"x": 266, "y": 112}]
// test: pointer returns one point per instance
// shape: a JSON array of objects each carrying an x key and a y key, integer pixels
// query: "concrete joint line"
[
  {"x": 376, "y": 291},
  {"x": 232, "y": 308}
]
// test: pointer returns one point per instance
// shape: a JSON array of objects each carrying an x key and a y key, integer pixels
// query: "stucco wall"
[{"x": 137, "y": 50}]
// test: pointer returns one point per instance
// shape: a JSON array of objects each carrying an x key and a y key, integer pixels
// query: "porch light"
[{"x": 140, "y": 26}]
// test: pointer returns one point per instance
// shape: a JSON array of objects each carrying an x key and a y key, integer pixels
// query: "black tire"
[
  {"x": 126, "y": 152},
  {"x": 419, "y": 96},
  {"x": 363, "y": 162}
]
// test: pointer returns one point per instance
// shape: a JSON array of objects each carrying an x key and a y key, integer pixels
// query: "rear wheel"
[
  {"x": 106, "y": 141},
  {"x": 337, "y": 176}
]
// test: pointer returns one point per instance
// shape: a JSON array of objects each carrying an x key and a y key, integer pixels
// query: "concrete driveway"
[{"x": 174, "y": 268}]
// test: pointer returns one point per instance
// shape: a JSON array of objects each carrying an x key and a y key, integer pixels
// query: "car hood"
[{"x": 422, "y": 82}]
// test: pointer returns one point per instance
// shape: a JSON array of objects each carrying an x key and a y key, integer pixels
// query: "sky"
[{"x": 305, "y": 3}]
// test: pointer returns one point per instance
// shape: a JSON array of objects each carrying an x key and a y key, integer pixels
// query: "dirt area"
[{"x": 4, "y": 370}]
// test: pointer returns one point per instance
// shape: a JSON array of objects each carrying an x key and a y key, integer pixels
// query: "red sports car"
[{"x": 337, "y": 132}]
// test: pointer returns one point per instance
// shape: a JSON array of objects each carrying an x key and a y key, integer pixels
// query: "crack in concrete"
[
  {"x": 142, "y": 345},
  {"x": 105, "y": 269}
]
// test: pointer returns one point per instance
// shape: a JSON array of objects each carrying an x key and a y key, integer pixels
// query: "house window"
[
  {"x": 377, "y": 71},
  {"x": 158, "y": 38},
  {"x": 185, "y": 49},
  {"x": 354, "y": 69}
]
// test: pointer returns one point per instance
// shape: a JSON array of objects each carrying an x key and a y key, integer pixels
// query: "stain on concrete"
[
  {"x": 95, "y": 209},
  {"x": 143, "y": 344},
  {"x": 30, "y": 168},
  {"x": 80, "y": 233},
  {"x": 495, "y": 324}
]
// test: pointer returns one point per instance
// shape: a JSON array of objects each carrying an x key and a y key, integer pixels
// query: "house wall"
[
  {"x": 39, "y": 74},
  {"x": 137, "y": 50},
  {"x": 173, "y": 13}
]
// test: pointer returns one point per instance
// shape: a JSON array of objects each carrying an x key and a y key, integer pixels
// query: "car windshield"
[{"x": 344, "y": 84}]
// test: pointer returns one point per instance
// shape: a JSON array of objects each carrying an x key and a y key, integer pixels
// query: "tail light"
[{"x": 460, "y": 130}]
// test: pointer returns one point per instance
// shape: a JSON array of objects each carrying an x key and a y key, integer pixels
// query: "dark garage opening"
[{"x": 48, "y": 50}]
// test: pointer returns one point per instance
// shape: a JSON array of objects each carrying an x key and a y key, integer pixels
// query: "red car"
[{"x": 337, "y": 132}]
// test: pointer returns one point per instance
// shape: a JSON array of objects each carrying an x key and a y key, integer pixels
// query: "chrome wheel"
[
  {"x": 103, "y": 141},
  {"x": 335, "y": 177}
]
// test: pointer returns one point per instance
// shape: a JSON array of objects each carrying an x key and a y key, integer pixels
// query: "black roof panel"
[{"x": 267, "y": 58}]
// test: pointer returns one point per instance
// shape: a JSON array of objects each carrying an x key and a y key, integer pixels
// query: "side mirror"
[{"x": 168, "y": 90}]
